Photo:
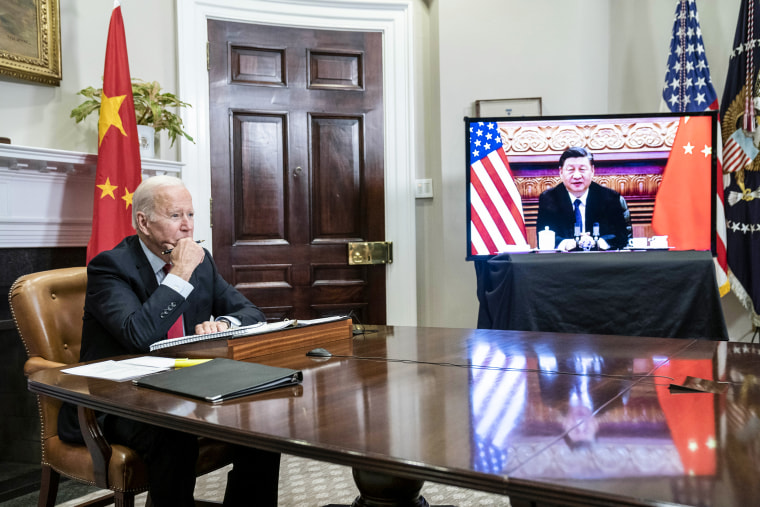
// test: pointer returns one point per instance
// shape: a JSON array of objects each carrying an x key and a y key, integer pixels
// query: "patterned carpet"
[{"x": 308, "y": 483}]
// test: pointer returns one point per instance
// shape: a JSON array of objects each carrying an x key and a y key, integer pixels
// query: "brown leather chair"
[{"x": 47, "y": 308}]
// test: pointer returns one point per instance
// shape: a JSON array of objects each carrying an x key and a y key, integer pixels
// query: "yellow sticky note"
[{"x": 183, "y": 363}]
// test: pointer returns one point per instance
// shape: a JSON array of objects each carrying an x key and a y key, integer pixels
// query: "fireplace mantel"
[{"x": 46, "y": 195}]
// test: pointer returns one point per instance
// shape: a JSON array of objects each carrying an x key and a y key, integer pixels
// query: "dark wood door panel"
[
  {"x": 305, "y": 304},
  {"x": 262, "y": 275},
  {"x": 260, "y": 176},
  {"x": 336, "y": 70},
  {"x": 282, "y": 275},
  {"x": 257, "y": 66},
  {"x": 296, "y": 123},
  {"x": 330, "y": 287},
  {"x": 337, "y": 172}
]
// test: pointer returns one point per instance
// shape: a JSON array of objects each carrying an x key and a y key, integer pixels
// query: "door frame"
[{"x": 391, "y": 17}]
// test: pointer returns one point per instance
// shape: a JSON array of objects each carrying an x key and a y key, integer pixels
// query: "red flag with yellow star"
[
  {"x": 118, "y": 172},
  {"x": 682, "y": 206}
]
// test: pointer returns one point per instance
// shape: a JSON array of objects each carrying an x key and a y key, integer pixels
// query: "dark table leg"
[{"x": 379, "y": 490}]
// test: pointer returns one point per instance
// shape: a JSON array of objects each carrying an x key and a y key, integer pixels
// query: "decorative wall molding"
[
  {"x": 639, "y": 135},
  {"x": 627, "y": 185},
  {"x": 46, "y": 195}
]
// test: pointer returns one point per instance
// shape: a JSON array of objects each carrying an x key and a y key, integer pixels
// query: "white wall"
[
  {"x": 38, "y": 115},
  {"x": 492, "y": 49},
  {"x": 639, "y": 48}
]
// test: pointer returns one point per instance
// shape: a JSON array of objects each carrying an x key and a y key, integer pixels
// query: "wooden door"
[{"x": 296, "y": 121}]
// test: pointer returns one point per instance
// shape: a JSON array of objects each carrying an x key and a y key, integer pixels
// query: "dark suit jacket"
[
  {"x": 603, "y": 205},
  {"x": 126, "y": 310}
]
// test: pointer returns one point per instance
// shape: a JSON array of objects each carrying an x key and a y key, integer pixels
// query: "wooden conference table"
[{"x": 547, "y": 419}]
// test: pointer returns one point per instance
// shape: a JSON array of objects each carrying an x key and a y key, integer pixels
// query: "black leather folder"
[{"x": 221, "y": 379}]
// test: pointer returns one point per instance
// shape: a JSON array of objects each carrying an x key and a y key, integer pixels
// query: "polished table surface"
[
  {"x": 557, "y": 419},
  {"x": 653, "y": 293}
]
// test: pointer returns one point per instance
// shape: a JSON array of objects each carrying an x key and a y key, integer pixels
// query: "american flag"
[
  {"x": 496, "y": 217},
  {"x": 688, "y": 88}
]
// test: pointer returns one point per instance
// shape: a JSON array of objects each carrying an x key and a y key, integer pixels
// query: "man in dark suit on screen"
[
  {"x": 578, "y": 200},
  {"x": 156, "y": 284}
]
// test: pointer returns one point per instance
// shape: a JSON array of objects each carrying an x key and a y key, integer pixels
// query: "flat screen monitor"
[{"x": 657, "y": 160}]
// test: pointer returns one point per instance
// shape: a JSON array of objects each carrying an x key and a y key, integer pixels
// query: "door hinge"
[
  {"x": 372, "y": 252},
  {"x": 208, "y": 56},
  {"x": 211, "y": 212}
]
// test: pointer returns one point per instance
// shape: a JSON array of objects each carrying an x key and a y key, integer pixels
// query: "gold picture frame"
[
  {"x": 30, "y": 41},
  {"x": 530, "y": 106}
]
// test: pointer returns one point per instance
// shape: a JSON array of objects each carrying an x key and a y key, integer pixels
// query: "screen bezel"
[{"x": 588, "y": 117}]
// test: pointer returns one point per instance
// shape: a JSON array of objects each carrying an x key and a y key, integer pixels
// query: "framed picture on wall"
[
  {"x": 508, "y": 107},
  {"x": 30, "y": 40}
]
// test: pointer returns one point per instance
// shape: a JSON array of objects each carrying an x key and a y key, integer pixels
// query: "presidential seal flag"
[
  {"x": 740, "y": 140},
  {"x": 118, "y": 172},
  {"x": 688, "y": 88},
  {"x": 496, "y": 213}
]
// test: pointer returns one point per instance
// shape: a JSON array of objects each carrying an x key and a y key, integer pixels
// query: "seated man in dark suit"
[
  {"x": 579, "y": 200},
  {"x": 138, "y": 294}
]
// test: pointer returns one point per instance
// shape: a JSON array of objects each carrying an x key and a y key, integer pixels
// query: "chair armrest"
[
  {"x": 37, "y": 363},
  {"x": 100, "y": 449}
]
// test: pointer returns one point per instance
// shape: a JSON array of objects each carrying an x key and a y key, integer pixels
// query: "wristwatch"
[{"x": 225, "y": 320}]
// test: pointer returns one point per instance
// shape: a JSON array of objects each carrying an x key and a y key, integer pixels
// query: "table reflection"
[
  {"x": 579, "y": 415},
  {"x": 497, "y": 404},
  {"x": 690, "y": 416},
  {"x": 742, "y": 436}
]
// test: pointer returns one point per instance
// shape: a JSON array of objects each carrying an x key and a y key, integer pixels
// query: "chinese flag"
[
  {"x": 118, "y": 172},
  {"x": 682, "y": 206},
  {"x": 696, "y": 441}
]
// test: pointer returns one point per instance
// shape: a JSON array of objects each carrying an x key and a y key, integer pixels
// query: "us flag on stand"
[
  {"x": 737, "y": 116},
  {"x": 688, "y": 88},
  {"x": 496, "y": 217}
]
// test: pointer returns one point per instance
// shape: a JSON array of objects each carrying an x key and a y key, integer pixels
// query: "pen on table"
[
  {"x": 183, "y": 363},
  {"x": 199, "y": 241}
]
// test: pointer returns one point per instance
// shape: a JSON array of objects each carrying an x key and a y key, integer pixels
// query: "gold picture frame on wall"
[
  {"x": 530, "y": 106},
  {"x": 30, "y": 40}
]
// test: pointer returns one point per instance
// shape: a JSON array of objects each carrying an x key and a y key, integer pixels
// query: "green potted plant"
[{"x": 151, "y": 110}]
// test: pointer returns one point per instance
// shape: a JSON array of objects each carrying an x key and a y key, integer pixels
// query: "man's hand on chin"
[{"x": 186, "y": 255}]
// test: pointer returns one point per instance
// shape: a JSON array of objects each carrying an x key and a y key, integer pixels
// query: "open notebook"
[
  {"x": 258, "y": 328},
  {"x": 254, "y": 329}
]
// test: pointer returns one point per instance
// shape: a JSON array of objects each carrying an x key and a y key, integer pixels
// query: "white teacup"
[
  {"x": 637, "y": 242},
  {"x": 658, "y": 242}
]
